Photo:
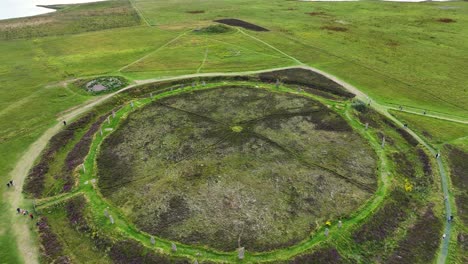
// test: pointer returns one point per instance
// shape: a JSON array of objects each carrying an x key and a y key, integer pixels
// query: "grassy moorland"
[{"x": 399, "y": 53}]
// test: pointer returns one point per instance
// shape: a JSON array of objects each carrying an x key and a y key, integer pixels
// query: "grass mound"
[
  {"x": 255, "y": 169},
  {"x": 215, "y": 29}
]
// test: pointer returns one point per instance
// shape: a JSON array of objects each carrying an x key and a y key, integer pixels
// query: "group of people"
[
  {"x": 10, "y": 184},
  {"x": 25, "y": 212}
]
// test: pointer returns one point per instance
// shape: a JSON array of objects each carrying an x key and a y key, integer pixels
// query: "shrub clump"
[
  {"x": 78, "y": 153},
  {"x": 35, "y": 180},
  {"x": 215, "y": 29},
  {"x": 309, "y": 79},
  {"x": 328, "y": 255},
  {"x": 130, "y": 251},
  {"x": 385, "y": 221},
  {"x": 51, "y": 248},
  {"x": 421, "y": 242}
]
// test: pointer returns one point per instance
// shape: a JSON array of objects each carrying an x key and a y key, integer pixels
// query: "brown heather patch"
[
  {"x": 316, "y": 13},
  {"x": 335, "y": 28},
  {"x": 446, "y": 20},
  {"x": 196, "y": 12}
]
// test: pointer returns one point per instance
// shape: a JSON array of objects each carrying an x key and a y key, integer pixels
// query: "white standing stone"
[
  {"x": 241, "y": 253},
  {"x": 152, "y": 240},
  {"x": 367, "y": 126},
  {"x": 340, "y": 224},
  {"x": 173, "y": 247},
  {"x": 111, "y": 219},
  {"x": 113, "y": 114},
  {"x": 327, "y": 231}
]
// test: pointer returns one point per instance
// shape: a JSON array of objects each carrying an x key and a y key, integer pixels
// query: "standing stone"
[
  {"x": 131, "y": 104},
  {"x": 277, "y": 83},
  {"x": 193, "y": 85},
  {"x": 111, "y": 219},
  {"x": 204, "y": 83},
  {"x": 151, "y": 95},
  {"x": 327, "y": 231},
  {"x": 241, "y": 252},
  {"x": 152, "y": 240},
  {"x": 195, "y": 262},
  {"x": 173, "y": 247},
  {"x": 340, "y": 224},
  {"x": 113, "y": 114},
  {"x": 182, "y": 86},
  {"x": 106, "y": 213},
  {"x": 367, "y": 126}
]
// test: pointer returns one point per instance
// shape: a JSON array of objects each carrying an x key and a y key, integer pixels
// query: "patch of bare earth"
[
  {"x": 196, "y": 12},
  {"x": 335, "y": 28},
  {"x": 446, "y": 20}
]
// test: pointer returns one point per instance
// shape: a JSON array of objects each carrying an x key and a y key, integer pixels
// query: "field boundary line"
[
  {"x": 139, "y": 13},
  {"x": 272, "y": 47},
  {"x": 154, "y": 51},
  {"x": 203, "y": 61}
]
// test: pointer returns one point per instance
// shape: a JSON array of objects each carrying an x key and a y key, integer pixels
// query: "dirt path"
[
  {"x": 451, "y": 119},
  {"x": 25, "y": 242}
]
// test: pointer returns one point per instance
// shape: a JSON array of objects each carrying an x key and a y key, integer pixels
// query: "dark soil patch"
[
  {"x": 335, "y": 28},
  {"x": 309, "y": 79},
  {"x": 392, "y": 43},
  {"x": 328, "y": 255},
  {"x": 196, "y": 12},
  {"x": 421, "y": 242},
  {"x": 446, "y": 20},
  {"x": 316, "y": 13},
  {"x": 241, "y": 23},
  {"x": 385, "y": 221}
]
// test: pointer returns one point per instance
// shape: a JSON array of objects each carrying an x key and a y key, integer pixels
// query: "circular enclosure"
[{"x": 235, "y": 166}]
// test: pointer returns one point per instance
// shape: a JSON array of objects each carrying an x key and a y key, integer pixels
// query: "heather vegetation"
[{"x": 272, "y": 164}]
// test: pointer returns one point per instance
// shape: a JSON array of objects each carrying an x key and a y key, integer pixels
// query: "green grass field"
[{"x": 409, "y": 54}]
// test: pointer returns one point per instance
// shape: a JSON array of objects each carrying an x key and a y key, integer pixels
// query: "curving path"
[{"x": 22, "y": 231}]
